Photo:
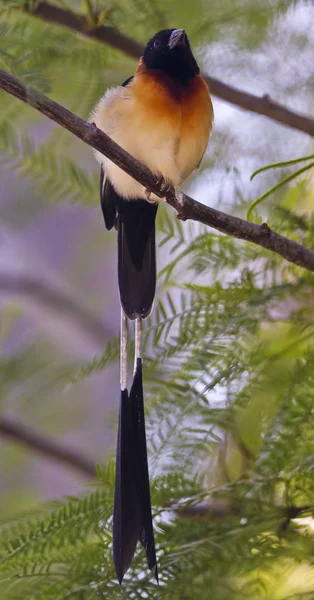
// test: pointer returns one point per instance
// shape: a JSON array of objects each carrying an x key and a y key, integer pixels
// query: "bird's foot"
[
  {"x": 148, "y": 193},
  {"x": 165, "y": 187}
]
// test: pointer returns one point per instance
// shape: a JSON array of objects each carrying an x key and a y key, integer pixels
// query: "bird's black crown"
[{"x": 169, "y": 50}]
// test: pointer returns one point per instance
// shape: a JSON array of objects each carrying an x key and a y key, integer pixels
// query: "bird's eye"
[{"x": 157, "y": 44}]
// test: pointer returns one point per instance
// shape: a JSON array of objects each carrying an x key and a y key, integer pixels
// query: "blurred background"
[{"x": 58, "y": 293}]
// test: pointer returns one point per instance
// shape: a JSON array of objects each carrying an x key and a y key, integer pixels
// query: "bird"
[{"x": 162, "y": 115}]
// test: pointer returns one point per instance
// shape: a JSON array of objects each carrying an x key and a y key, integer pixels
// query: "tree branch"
[
  {"x": 263, "y": 105},
  {"x": 104, "y": 33},
  {"x": 37, "y": 443},
  {"x": 45, "y": 296},
  {"x": 222, "y": 508},
  {"x": 110, "y": 36},
  {"x": 186, "y": 207}
]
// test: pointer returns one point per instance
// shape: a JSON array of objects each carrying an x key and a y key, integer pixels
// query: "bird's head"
[{"x": 169, "y": 50}]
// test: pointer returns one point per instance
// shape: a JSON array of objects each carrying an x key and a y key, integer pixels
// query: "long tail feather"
[
  {"x": 146, "y": 534},
  {"x": 127, "y": 513},
  {"x": 127, "y": 510},
  {"x": 132, "y": 519}
]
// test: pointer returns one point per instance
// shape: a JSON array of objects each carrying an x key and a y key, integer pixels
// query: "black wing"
[
  {"x": 108, "y": 200},
  {"x": 136, "y": 256}
]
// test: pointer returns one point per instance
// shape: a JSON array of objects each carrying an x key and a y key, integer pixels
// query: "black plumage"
[
  {"x": 136, "y": 257},
  {"x": 127, "y": 518},
  {"x": 132, "y": 518},
  {"x": 108, "y": 200},
  {"x": 146, "y": 535}
]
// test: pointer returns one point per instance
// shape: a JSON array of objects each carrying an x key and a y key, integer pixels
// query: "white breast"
[
  {"x": 162, "y": 130},
  {"x": 127, "y": 125}
]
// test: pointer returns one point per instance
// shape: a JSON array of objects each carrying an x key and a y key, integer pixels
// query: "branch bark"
[
  {"x": 53, "y": 300},
  {"x": 186, "y": 207},
  {"x": 43, "y": 295},
  {"x": 47, "y": 448},
  {"x": 110, "y": 36},
  {"x": 262, "y": 105},
  {"x": 222, "y": 509},
  {"x": 79, "y": 23}
]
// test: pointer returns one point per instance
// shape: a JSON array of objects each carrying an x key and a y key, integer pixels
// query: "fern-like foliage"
[{"x": 229, "y": 388}]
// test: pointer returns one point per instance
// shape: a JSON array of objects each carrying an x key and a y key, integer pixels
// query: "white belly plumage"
[{"x": 169, "y": 148}]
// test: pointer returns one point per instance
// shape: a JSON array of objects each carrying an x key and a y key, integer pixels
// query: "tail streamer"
[{"x": 132, "y": 518}]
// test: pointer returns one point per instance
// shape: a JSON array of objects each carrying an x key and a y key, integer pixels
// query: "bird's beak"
[{"x": 177, "y": 38}]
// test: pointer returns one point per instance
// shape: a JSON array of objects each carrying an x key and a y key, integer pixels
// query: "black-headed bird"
[{"x": 162, "y": 116}]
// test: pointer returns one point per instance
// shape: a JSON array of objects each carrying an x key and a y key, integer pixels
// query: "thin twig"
[
  {"x": 186, "y": 207},
  {"x": 41, "y": 445},
  {"x": 222, "y": 508},
  {"x": 110, "y": 36}
]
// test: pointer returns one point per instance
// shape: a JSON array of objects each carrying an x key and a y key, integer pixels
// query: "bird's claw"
[
  {"x": 147, "y": 193},
  {"x": 165, "y": 187}
]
